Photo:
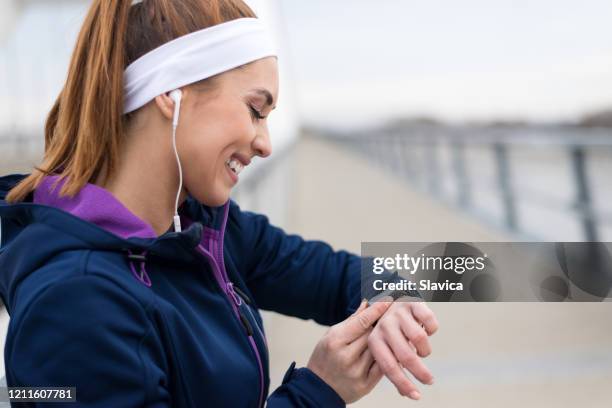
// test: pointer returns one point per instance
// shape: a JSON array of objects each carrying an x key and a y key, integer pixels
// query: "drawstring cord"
[{"x": 143, "y": 276}]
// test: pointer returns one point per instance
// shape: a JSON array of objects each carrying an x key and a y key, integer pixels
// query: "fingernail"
[
  {"x": 415, "y": 395},
  {"x": 431, "y": 381}
]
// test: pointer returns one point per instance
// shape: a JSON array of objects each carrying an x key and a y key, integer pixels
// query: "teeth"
[{"x": 234, "y": 165}]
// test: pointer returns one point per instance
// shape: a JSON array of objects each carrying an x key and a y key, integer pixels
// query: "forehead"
[{"x": 262, "y": 73}]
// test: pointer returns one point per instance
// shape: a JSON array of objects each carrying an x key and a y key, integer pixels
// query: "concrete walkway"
[{"x": 486, "y": 354}]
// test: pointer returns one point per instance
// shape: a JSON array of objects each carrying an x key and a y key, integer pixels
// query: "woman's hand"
[
  {"x": 342, "y": 359},
  {"x": 400, "y": 339}
]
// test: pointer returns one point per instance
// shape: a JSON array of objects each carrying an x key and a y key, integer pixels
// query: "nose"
[{"x": 261, "y": 144}]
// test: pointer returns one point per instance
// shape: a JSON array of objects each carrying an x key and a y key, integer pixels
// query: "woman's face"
[{"x": 222, "y": 128}]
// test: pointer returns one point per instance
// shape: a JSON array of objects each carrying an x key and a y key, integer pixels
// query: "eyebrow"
[{"x": 267, "y": 94}]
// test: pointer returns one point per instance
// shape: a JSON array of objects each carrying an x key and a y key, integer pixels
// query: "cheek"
[{"x": 206, "y": 144}]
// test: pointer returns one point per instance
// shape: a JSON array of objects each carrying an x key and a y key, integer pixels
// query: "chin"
[{"x": 213, "y": 199}]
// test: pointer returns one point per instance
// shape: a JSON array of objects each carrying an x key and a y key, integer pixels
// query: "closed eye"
[{"x": 255, "y": 113}]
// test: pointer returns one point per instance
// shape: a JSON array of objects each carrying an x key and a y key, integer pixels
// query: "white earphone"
[{"x": 176, "y": 96}]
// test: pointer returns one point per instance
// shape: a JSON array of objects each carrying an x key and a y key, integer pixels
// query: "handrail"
[{"x": 416, "y": 154}]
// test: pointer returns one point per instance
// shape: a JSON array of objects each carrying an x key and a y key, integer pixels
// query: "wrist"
[
  {"x": 320, "y": 376},
  {"x": 314, "y": 388},
  {"x": 319, "y": 373}
]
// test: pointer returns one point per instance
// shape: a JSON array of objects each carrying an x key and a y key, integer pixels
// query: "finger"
[
  {"x": 362, "y": 306},
  {"x": 375, "y": 374},
  {"x": 366, "y": 359},
  {"x": 406, "y": 356},
  {"x": 359, "y": 323},
  {"x": 355, "y": 348},
  {"x": 373, "y": 377},
  {"x": 391, "y": 368},
  {"x": 416, "y": 334},
  {"x": 424, "y": 315}
]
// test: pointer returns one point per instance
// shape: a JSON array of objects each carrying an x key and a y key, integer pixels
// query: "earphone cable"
[{"x": 177, "y": 219}]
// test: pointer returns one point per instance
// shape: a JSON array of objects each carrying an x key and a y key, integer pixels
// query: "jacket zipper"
[
  {"x": 248, "y": 305},
  {"x": 235, "y": 301}
]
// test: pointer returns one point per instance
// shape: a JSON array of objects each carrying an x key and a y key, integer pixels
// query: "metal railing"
[{"x": 537, "y": 182}]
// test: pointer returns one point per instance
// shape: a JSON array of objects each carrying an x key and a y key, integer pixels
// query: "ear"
[{"x": 165, "y": 104}]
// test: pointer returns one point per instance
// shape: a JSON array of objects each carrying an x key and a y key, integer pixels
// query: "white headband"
[{"x": 194, "y": 57}]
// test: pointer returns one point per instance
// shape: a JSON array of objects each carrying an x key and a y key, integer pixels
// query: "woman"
[{"x": 127, "y": 271}]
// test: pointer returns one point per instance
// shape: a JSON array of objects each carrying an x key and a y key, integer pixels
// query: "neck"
[{"x": 146, "y": 179}]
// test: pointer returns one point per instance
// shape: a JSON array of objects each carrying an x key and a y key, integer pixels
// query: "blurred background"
[{"x": 411, "y": 121}]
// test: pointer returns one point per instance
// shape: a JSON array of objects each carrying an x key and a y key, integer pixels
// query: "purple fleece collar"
[{"x": 96, "y": 205}]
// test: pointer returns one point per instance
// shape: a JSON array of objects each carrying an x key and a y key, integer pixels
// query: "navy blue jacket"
[{"x": 161, "y": 321}]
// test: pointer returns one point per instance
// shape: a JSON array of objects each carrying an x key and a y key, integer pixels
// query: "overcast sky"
[{"x": 360, "y": 60}]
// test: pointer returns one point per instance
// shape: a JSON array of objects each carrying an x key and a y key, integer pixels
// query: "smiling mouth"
[{"x": 234, "y": 165}]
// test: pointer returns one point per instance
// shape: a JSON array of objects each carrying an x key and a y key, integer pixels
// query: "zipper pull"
[
  {"x": 232, "y": 293},
  {"x": 246, "y": 324},
  {"x": 243, "y": 295}
]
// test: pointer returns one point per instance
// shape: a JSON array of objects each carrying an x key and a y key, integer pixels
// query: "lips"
[
  {"x": 237, "y": 162},
  {"x": 234, "y": 165}
]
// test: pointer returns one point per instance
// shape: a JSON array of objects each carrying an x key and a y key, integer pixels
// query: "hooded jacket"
[{"x": 98, "y": 302}]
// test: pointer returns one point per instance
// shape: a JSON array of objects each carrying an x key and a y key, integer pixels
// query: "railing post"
[
  {"x": 406, "y": 147},
  {"x": 397, "y": 159},
  {"x": 431, "y": 160},
  {"x": 462, "y": 177},
  {"x": 505, "y": 183},
  {"x": 583, "y": 194}
]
